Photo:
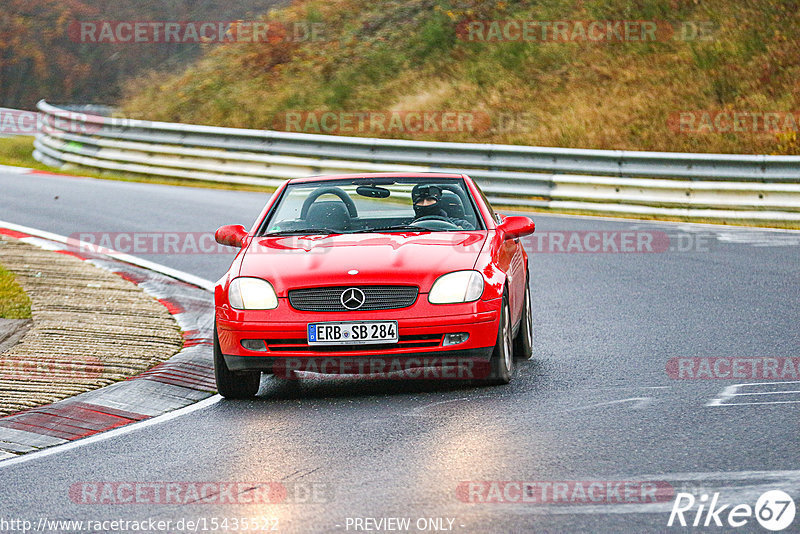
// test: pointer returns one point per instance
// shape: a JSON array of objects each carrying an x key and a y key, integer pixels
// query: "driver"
[
  {"x": 427, "y": 203},
  {"x": 426, "y": 199}
]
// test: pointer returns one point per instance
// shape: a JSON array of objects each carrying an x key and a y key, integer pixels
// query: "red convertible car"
[{"x": 374, "y": 273}]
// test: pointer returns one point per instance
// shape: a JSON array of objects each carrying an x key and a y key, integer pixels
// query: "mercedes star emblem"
[{"x": 352, "y": 298}]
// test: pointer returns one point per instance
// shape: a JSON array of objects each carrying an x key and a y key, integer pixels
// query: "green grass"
[
  {"x": 14, "y": 303},
  {"x": 18, "y": 151}
]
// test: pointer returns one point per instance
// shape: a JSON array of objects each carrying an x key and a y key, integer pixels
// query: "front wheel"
[
  {"x": 233, "y": 384},
  {"x": 501, "y": 366},
  {"x": 523, "y": 344}
]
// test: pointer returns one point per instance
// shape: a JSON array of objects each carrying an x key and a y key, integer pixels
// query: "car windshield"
[{"x": 364, "y": 205}]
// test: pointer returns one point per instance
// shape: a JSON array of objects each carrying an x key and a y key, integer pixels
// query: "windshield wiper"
[
  {"x": 303, "y": 231},
  {"x": 395, "y": 228}
]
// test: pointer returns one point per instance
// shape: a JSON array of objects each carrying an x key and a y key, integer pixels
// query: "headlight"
[
  {"x": 252, "y": 294},
  {"x": 460, "y": 286}
]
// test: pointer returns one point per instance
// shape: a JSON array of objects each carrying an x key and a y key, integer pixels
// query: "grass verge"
[{"x": 14, "y": 302}]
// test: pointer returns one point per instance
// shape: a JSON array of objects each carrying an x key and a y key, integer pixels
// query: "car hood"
[{"x": 417, "y": 259}]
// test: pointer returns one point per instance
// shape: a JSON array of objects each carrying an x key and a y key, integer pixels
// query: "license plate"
[{"x": 356, "y": 333}]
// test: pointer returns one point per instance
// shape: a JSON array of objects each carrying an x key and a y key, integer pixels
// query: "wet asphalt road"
[{"x": 594, "y": 404}]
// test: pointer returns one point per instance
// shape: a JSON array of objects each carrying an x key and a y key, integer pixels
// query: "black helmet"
[
  {"x": 426, "y": 191},
  {"x": 431, "y": 191}
]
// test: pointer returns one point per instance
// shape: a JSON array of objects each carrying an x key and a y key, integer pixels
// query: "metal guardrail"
[{"x": 716, "y": 186}]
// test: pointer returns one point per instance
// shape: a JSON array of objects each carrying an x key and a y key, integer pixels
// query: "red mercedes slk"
[{"x": 374, "y": 273}]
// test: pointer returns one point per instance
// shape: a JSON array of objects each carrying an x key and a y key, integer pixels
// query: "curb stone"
[{"x": 184, "y": 379}]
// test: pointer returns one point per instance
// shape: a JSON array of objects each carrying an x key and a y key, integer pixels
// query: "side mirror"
[
  {"x": 232, "y": 235},
  {"x": 514, "y": 226}
]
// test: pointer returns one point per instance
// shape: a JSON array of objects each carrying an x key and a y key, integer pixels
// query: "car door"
[{"x": 511, "y": 260}]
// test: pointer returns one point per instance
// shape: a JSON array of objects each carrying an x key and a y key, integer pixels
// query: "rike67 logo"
[{"x": 774, "y": 510}]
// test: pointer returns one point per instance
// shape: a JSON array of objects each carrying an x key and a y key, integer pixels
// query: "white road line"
[
  {"x": 769, "y": 383},
  {"x": 765, "y": 393},
  {"x": 9, "y": 169},
  {"x": 57, "y": 449},
  {"x": 726, "y": 394},
  {"x": 757, "y": 403},
  {"x": 733, "y": 391}
]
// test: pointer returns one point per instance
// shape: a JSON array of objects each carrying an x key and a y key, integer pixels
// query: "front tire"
[
  {"x": 501, "y": 366},
  {"x": 523, "y": 344},
  {"x": 233, "y": 384}
]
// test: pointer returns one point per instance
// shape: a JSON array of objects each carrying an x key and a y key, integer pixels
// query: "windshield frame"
[{"x": 378, "y": 180}]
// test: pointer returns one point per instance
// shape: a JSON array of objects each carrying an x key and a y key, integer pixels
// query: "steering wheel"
[
  {"x": 438, "y": 223},
  {"x": 344, "y": 197}
]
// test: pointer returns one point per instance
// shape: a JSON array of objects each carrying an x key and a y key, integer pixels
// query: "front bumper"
[
  {"x": 457, "y": 364},
  {"x": 421, "y": 329}
]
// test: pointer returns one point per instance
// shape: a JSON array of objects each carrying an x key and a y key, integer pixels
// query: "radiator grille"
[{"x": 329, "y": 299}]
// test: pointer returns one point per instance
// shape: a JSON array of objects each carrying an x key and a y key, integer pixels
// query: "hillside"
[{"x": 378, "y": 64}]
